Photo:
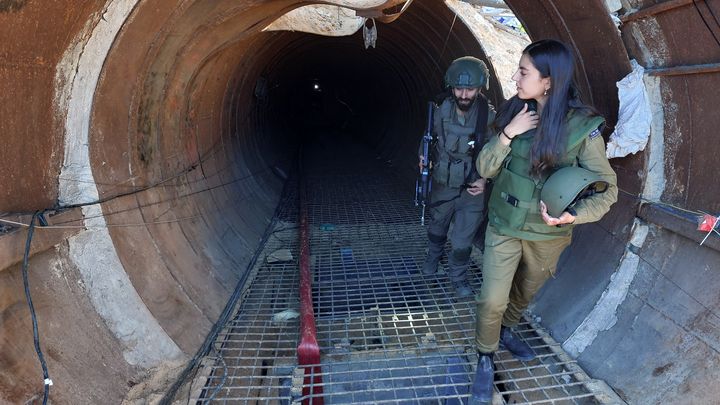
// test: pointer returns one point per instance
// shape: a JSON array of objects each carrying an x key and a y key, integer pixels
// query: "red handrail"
[{"x": 308, "y": 350}]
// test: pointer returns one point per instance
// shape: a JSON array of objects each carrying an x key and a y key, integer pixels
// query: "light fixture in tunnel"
[{"x": 316, "y": 86}]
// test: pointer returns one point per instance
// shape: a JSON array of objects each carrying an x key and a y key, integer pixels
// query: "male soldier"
[{"x": 460, "y": 126}]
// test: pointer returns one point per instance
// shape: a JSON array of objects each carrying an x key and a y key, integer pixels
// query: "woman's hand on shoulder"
[
  {"x": 565, "y": 218},
  {"x": 522, "y": 122}
]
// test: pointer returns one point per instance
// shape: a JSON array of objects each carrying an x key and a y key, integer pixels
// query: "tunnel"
[{"x": 159, "y": 138}]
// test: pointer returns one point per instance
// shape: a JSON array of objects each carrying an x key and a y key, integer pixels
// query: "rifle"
[{"x": 423, "y": 185}]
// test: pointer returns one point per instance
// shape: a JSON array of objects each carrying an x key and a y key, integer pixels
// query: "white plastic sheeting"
[{"x": 633, "y": 128}]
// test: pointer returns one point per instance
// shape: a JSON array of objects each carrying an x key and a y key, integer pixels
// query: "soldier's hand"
[
  {"x": 476, "y": 187},
  {"x": 565, "y": 218},
  {"x": 422, "y": 162}
]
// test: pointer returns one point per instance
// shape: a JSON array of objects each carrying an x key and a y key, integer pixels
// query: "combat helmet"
[
  {"x": 467, "y": 72},
  {"x": 569, "y": 185}
]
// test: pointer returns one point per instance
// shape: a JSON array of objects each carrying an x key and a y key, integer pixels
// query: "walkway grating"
[{"x": 387, "y": 334}]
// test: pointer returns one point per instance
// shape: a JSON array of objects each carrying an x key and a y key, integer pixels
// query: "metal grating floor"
[{"x": 387, "y": 334}]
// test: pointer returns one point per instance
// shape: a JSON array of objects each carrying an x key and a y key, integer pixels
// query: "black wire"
[
  {"x": 224, "y": 378},
  {"x": 153, "y": 203},
  {"x": 707, "y": 4},
  {"x": 149, "y": 204},
  {"x": 706, "y": 23},
  {"x": 205, "y": 348},
  {"x": 26, "y": 283},
  {"x": 187, "y": 170}
]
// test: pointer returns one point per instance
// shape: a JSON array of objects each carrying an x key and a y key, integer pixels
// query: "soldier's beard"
[{"x": 464, "y": 104}]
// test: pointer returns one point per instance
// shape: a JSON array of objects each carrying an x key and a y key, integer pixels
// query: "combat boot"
[
  {"x": 436, "y": 245},
  {"x": 515, "y": 345},
  {"x": 482, "y": 388},
  {"x": 458, "y": 262},
  {"x": 462, "y": 288}
]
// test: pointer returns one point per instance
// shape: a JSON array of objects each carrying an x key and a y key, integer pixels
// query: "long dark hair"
[{"x": 555, "y": 60}]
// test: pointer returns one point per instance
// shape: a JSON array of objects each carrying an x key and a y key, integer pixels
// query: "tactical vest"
[
  {"x": 515, "y": 198},
  {"x": 453, "y": 164}
]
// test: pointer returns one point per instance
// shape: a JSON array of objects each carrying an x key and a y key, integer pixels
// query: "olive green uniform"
[
  {"x": 453, "y": 167},
  {"x": 521, "y": 251}
]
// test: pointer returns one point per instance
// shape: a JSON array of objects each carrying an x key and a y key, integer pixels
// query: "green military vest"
[
  {"x": 515, "y": 198},
  {"x": 454, "y": 163}
]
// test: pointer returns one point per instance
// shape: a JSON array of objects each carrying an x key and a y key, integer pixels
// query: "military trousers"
[
  {"x": 513, "y": 271},
  {"x": 466, "y": 209}
]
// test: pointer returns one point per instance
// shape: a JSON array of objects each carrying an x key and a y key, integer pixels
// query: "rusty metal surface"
[
  {"x": 34, "y": 36},
  {"x": 655, "y": 9},
  {"x": 679, "y": 222},
  {"x": 12, "y": 244},
  {"x": 688, "y": 78},
  {"x": 667, "y": 44},
  {"x": 171, "y": 134},
  {"x": 85, "y": 360},
  {"x": 691, "y": 147}
]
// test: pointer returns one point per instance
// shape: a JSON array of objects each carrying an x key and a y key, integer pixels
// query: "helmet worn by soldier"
[
  {"x": 569, "y": 185},
  {"x": 467, "y": 72}
]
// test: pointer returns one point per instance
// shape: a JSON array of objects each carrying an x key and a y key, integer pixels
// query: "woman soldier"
[{"x": 544, "y": 128}]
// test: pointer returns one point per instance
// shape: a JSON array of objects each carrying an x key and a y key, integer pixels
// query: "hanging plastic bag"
[
  {"x": 369, "y": 34},
  {"x": 633, "y": 127}
]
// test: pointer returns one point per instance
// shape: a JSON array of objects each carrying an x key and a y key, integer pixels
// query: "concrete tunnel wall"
[{"x": 166, "y": 94}]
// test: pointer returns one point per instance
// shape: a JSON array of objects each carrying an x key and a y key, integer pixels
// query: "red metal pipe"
[{"x": 308, "y": 351}]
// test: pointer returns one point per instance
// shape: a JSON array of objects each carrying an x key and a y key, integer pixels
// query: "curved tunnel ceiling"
[{"x": 198, "y": 107}]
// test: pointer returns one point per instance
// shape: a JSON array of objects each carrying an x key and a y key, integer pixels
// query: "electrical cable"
[
  {"x": 163, "y": 181},
  {"x": 39, "y": 215},
  {"x": 712, "y": 13},
  {"x": 657, "y": 202},
  {"x": 211, "y": 152},
  {"x": 28, "y": 297},
  {"x": 448, "y": 37},
  {"x": 224, "y": 377},
  {"x": 59, "y": 225},
  {"x": 702, "y": 17},
  {"x": 170, "y": 221},
  {"x": 227, "y": 311}
]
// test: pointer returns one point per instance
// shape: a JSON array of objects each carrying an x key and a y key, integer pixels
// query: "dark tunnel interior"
[{"x": 317, "y": 86}]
